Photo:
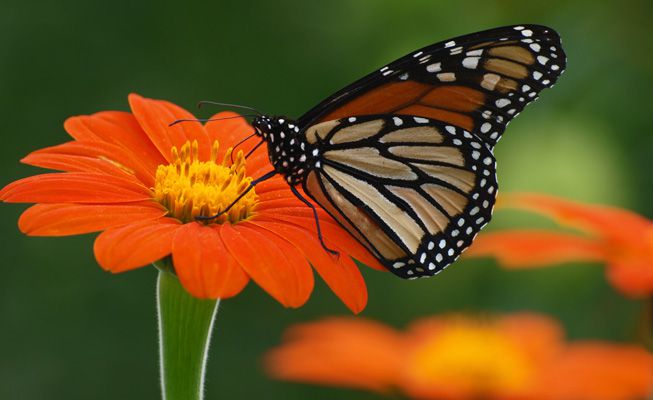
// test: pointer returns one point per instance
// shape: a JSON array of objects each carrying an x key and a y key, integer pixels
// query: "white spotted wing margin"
[{"x": 414, "y": 191}]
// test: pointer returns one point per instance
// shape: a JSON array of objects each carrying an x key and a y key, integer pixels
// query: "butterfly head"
[
  {"x": 262, "y": 125},
  {"x": 288, "y": 150}
]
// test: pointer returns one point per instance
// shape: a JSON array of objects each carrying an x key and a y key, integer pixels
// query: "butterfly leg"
[
  {"x": 317, "y": 220},
  {"x": 240, "y": 196}
]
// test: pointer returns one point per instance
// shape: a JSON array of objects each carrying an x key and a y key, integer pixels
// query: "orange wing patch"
[
  {"x": 383, "y": 99},
  {"x": 450, "y": 117},
  {"x": 455, "y": 98},
  {"x": 445, "y": 103}
]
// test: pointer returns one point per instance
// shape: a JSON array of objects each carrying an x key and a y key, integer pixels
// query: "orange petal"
[
  {"x": 204, "y": 266},
  {"x": 279, "y": 200},
  {"x": 333, "y": 232},
  {"x": 135, "y": 245},
  {"x": 127, "y": 162},
  {"x": 339, "y": 352},
  {"x": 230, "y": 130},
  {"x": 340, "y": 273},
  {"x": 118, "y": 128},
  {"x": 74, "y": 187},
  {"x": 75, "y": 219},
  {"x": 532, "y": 248},
  {"x": 155, "y": 116},
  {"x": 599, "y": 371},
  {"x": 259, "y": 163},
  {"x": 457, "y": 357},
  {"x": 632, "y": 277},
  {"x": 609, "y": 222},
  {"x": 72, "y": 163},
  {"x": 274, "y": 264},
  {"x": 541, "y": 337},
  {"x": 274, "y": 185}
]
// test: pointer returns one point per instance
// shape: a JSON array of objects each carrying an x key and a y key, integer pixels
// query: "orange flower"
[
  {"x": 619, "y": 238},
  {"x": 143, "y": 182},
  {"x": 453, "y": 357}
]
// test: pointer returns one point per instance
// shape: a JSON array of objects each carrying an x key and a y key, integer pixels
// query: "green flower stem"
[{"x": 185, "y": 325}]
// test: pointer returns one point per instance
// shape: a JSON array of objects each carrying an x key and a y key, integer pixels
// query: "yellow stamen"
[
  {"x": 476, "y": 358},
  {"x": 189, "y": 188}
]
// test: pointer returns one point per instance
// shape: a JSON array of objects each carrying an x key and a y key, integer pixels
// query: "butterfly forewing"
[
  {"x": 415, "y": 191},
  {"x": 477, "y": 82}
]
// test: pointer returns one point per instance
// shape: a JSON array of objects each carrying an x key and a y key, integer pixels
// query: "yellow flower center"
[
  {"x": 189, "y": 188},
  {"x": 474, "y": 360}
]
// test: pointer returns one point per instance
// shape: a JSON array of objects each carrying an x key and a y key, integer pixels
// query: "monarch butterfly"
[{"x": 403, "y": 158}]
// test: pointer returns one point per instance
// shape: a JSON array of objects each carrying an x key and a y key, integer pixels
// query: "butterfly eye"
[{"x": 258, "y": 124}]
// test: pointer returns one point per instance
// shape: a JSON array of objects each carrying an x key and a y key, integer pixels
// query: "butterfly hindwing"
[
  {"x": 477, "y": 82},
  {"x": 415, "y": 191}
]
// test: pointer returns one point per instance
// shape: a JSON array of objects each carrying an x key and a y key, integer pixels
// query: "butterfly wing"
[
  {"x": 477, "y": 82},
  {"x": 414, "y": 191}
]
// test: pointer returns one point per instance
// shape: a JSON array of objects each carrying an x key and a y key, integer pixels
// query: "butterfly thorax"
[{"x": 288, "y": 150}]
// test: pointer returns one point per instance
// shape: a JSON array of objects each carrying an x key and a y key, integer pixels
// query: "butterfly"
[{"x": 403, "y": 158}]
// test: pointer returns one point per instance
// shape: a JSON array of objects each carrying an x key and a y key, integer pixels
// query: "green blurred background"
[{"x": 68, "y": 330}]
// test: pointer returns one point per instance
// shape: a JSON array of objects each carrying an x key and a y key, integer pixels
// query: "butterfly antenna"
[
  {"x": 233, "y": 149},
  {"x": 249, "y": 153},
  {"x": 208, "y": 120},
  {"x": 202, "y": 103}
]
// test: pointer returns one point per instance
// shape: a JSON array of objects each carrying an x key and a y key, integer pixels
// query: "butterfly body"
[
  {"x": 403, "y": 158},
  {"x": 288, "y": 150}
]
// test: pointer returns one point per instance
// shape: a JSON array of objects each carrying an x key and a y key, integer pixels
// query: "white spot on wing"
[
  {"x": 435, "y": 67},
  {"x": 490, "y": 81},
  {"x": 502, "y": 102},
  {"x": 446, "y": 77},
  {"x": 470, "y": 62}
]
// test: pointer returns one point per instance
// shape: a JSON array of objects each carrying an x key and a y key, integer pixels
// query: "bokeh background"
[{"x": 68, "y": 330}]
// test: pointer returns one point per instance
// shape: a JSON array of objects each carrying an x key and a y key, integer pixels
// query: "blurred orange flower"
[
  {"x": 143, "y": 182},
  {"x": 456, "y": 357},
  {"x": 619, "y": 238}
]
